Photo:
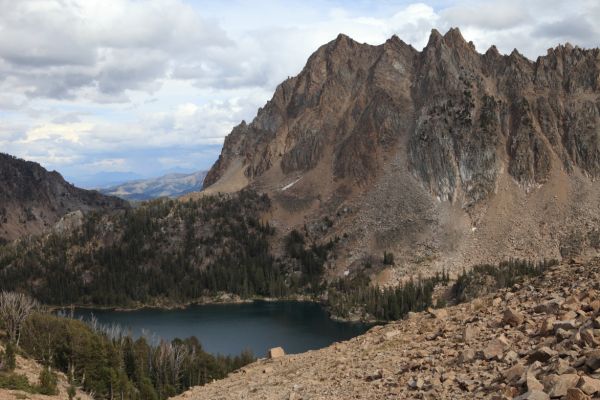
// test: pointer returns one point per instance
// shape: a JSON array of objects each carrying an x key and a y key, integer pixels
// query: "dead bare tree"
[
  {"x": 167, "y": 363},
  {"x": 14, "y": 310},
  {"x": 178, "y": 356}
]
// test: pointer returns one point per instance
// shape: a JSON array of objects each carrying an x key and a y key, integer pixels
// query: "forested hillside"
[
  {"x": 168, "y": 253},
  {"x": 162, "y": 252}
]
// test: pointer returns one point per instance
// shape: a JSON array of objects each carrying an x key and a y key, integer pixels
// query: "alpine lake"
[{"x": 228, "y": 329}]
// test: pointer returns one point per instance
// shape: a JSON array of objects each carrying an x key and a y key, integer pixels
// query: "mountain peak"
[
  {"x": 454, "y": 35},
  {"x": 453, "y": 39},
  {"x": 341, "y": 37},
  {"x": 357, "y": 109},
  {"x": 343, "y": 40},
  {"x": 492, "y": 51},
  {"x": 435, "y": 38}
]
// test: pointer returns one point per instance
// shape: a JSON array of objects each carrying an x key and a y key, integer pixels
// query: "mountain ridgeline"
[
  {"x": 32, "y": 199},
  {"x": 445, "y": 156},
  {"x": 436, "y": 160},
  {"x": 171, "y": 185}
]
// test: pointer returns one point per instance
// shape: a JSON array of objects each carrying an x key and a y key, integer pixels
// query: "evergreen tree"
[
  {"x": 9, "y": 360},
  {"x": 48, "y": 382},
  {"x": 71, "y": 392}
]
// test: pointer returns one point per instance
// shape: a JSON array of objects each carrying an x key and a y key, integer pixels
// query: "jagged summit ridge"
[
  {"x": 447, "y": 69},
  {"x": 389, "y": 127}
]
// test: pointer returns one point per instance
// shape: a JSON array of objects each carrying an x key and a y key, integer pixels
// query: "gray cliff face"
[
  {"x": 461, "y": 113},
  {"x": 446, "y": 156}
]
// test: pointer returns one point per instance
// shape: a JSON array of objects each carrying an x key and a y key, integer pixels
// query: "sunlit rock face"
[{"x": 399, "y": 133}]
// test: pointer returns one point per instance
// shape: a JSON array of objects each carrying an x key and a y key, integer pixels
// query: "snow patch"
[{"x": 289, "y": 185}]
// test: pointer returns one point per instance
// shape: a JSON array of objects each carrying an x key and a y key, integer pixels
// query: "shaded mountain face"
[
  {"x": 171, "y": 185},
  {"x": 33, "y": 199},
  {"x": 445, "y": 156}
]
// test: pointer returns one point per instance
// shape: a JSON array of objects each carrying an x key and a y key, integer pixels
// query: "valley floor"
[{"x": 538, "y": 340}]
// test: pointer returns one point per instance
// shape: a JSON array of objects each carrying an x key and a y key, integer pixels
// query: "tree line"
[{"x": 485, "y": 278}]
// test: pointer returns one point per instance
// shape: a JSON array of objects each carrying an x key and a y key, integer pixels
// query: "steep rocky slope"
[
  {"x": 33, "y": 199},
  {"x": 170, "y": 185},
  {"x": 536, "y": 340},
  {"x": 445, "y": 156}
]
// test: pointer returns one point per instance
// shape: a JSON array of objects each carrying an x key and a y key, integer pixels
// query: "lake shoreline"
[
  {"x": 220, "y": 299},
  {"x": 224, "y": 298}
]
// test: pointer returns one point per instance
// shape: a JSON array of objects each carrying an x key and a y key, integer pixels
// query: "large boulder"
[{"x": 276, "y": 352}]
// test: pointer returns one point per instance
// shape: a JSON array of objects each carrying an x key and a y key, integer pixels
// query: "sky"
[{"x": 104, "y": 90}]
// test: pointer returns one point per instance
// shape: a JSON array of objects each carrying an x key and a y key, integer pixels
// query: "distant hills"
[
  {"x": 33, "y": 199},
  {"x": 170, "y": 185}
]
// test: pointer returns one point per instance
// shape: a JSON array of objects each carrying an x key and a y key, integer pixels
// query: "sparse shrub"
[
  {"x": 48, "y": 382},
  {"x": 14, "y": 381},
  {"x": 9, "y": 359},
  {"x": 71, "y": 392}
]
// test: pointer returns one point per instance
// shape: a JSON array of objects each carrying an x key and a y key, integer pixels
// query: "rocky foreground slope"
[
  {"x": 33, "y": 199},
  {"x": 446, "y": 156},
  {"x": 537, "y": 340}
]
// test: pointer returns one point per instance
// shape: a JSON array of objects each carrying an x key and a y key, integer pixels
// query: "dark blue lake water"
[{"x": 231, "y": 328}]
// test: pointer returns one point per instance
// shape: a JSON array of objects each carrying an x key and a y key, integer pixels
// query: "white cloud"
[
  {"x": 84, "y": 83},
  {"x": 55, "y": 48}
]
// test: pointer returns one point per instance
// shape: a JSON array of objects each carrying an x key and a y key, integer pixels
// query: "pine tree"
[
  {"x": 71, "y": 392},
  {"x": 48, "y": 382},
  {"x": 9, "y": 361}
]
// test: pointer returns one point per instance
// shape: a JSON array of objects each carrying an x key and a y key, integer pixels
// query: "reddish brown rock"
[
  {"x": 512, "y": 317},
  {"x": 577, "y": 394},
  {"x": 589, "y": 385},
  {"x": 557, "y": 385},
  {"x": 495, "y": 348}
]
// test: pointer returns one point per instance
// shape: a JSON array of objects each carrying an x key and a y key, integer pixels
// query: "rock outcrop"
[
  {"x": 537, "y": 340},
  {"x": 443, "y": 154},
  {"x": 32, "y": 199}
]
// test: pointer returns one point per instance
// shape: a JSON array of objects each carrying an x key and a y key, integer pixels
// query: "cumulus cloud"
[
  {"x": 127, "y": 85},
  {"x": 54, "y": 48}
]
